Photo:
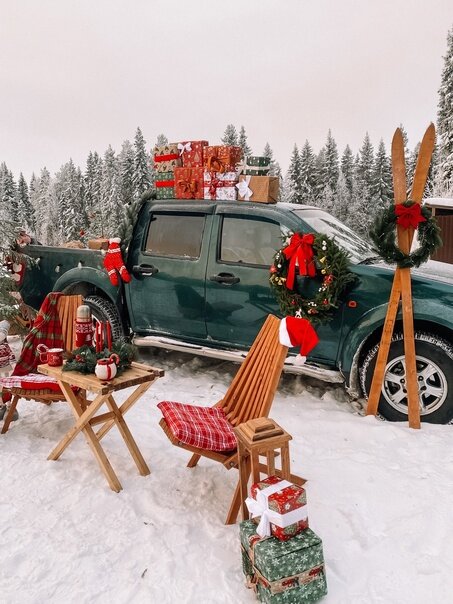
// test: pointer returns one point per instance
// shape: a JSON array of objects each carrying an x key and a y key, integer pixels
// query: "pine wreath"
[
  {"x": 84, "y": 359},
  {"x": 328, "y": 270},
  {"x": 407, "y": 214}
]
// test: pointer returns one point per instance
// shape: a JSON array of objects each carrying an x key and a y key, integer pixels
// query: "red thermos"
[{"x": 83, "y": 327}]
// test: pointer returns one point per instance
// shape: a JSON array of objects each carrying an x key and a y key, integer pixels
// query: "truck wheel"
[
  {"x": 104, "y": 310},
  {"x": 434, "y": 357}
]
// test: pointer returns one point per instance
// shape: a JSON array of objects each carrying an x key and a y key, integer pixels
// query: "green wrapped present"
[
  {"x": 256, "y": 165},
  {"x": 283, "y": 572},
  {"x": 165, "y": 185}
]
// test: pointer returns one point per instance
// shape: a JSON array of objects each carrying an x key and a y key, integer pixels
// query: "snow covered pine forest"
[{"x": 78, "y": 203}]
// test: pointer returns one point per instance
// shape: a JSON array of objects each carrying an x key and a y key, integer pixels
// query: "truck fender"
[{"x": 93, "y": 276}]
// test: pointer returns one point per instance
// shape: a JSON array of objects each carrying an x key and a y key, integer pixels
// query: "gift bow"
[
  {"x": 188, "y": 186},
  {"x": 260, "y": 507},
  {"x": 243, "y": 188},
  {"x": 215, "y": 164},
  {"x": 409, "y": 216},
  {"x": 300, "y": 251},
  {"x": 183, "y": 147}
]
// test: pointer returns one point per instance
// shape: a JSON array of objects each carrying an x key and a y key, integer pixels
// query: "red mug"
[{"x": 52, "y": 356}]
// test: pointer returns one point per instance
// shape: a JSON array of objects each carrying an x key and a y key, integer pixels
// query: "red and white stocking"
[{"x": 114, "y": 264}]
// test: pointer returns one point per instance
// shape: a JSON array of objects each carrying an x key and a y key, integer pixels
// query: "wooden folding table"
[{"x": 84, "y": 410}]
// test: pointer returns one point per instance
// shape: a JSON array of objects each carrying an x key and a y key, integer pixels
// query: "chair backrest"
[
  {"x": 252, "y": 390},
  {"x": 67, "y": 312}
]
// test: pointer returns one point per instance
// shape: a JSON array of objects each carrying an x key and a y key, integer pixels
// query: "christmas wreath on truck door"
[{"x": 313, "y": 256}]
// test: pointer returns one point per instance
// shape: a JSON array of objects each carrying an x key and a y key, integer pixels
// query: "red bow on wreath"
[
  {"x": 300, "y": 249},
  {"x": 409, "y": 216}
]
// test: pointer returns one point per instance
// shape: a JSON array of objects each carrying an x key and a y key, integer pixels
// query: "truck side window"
[
  {"x": 249, "y": 241},
  {"x": 175, "y": 235}
]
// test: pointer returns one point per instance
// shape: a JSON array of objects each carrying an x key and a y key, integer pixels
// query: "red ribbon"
[
  {"x": 300, "y": 249},
  {"x": 165, "y": 183},
  {"x": 169, "y": 157},
  {"x": 215, "y": 182},
  {"x": 188, "y": 188},
  {"x": 409, "y": 216}
]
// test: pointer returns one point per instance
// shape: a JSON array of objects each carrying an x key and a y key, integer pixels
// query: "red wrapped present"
[
  {"x": 282, "y": 506},
  {"x": 189, "y": 183},
  {"x": 221, "y": 158},
  {"x": 191, "y": 153}
]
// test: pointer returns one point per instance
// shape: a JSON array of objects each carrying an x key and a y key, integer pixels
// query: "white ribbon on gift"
[
  {"x": 260, "y": 507},
  {"x": 184, "y": 147},
  {"x": 244, "y": 190}
]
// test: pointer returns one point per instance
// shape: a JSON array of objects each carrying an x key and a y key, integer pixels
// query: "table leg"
[
  {"x": 128, "y": 438},
  {"x": 83, "y": 425},
  {"x": 124, "y": 407}
]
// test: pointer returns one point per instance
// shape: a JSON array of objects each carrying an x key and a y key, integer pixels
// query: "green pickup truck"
[{"x": 200, "y": 273}]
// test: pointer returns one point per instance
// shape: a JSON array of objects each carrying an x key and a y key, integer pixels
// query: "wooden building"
[{"x": 442, "y": 208}]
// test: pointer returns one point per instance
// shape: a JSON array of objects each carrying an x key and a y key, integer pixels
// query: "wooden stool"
[{"x": 262, "y": 437}]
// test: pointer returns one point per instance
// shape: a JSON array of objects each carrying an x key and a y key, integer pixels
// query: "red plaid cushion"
[
  {"x": 32, "y": 381},
  {"x": 201, "y": 427}
]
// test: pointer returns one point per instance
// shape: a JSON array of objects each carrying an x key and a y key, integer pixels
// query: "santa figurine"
[{"x": 295, "y": 331}]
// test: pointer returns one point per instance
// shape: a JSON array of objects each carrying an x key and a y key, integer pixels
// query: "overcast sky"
[{"x": 80, "y": 75}]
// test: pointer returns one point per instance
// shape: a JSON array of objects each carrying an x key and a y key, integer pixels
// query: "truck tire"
[
  {"x": 104, "y": 310},
  {"x": 434, "y": 357}
]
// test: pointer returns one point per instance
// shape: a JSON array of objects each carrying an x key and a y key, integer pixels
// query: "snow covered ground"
[{"x": 380, "y": 496}]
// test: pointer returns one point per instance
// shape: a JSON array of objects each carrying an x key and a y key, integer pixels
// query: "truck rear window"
[{"x": 177, "y": 235}]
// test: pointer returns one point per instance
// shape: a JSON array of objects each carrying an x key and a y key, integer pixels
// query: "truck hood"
[{"x": 431, "y": 270}]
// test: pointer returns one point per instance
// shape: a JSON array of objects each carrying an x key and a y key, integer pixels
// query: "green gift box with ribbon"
[
  {"x": 283, "y": 572},
  {"x": 165, "y": 185},
  {"x": 256, "y": 165}
]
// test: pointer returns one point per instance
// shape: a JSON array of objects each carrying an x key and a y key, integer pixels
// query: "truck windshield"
[{"x": 323, "y": 222}]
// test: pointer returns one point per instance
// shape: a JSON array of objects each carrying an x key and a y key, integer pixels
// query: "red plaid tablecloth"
[
  {"x": 202, "y": 427},
  {"x": 32, "y": 381}
]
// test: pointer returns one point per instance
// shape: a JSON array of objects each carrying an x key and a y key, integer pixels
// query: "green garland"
[
  {"x": 84, "y": 359},
  {"x": 333, "y": 278},
  {"x": 131, "y": 211},
  {"x": 383, "y": 235}
]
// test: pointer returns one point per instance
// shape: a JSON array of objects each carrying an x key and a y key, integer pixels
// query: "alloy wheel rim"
[{"x": 432, "y": 385}]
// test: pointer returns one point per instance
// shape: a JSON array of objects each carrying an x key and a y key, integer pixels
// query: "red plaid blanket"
[{"x": 46, "y": 330}]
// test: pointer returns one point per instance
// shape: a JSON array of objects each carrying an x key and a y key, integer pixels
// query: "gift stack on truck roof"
[{"x": 199, "y": 257}]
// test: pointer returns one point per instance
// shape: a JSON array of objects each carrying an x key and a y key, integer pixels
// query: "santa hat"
[{"x": 296, "y": 331}]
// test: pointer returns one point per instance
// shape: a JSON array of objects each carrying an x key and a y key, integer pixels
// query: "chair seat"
[
  {"x": 31, "y": 381},
  {"x": 201, "y": 427}
]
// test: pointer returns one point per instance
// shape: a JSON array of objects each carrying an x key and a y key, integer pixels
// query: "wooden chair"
[
  {"x": 249, "y": 396},
  {"x": 67, "y": 310}
]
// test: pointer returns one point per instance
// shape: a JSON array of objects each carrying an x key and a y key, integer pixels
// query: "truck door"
[
  {"x": 238, "y": 296},
  {"x": 168, "y": 264}
]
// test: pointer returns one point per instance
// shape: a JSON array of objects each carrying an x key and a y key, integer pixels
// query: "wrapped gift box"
[
  {"x": 221, "y": 186},
  {"x": 221, "y": 158},
  {"x": 263, "y": 189},
  {"x": 191, "y": 153},
  {"x": 284, "y": 505},
  {"x": 283, "y": 572},
  {"x": 166, "y": 157},
  {"x": 165, "y": 185},
  {"x": 98, "y": 244},
  {"x": 189, "y": 183},
  {"x": 256, "y": 165}
]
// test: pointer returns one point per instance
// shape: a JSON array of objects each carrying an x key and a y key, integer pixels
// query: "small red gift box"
[
  {"x": 282, "y": 506},
  {"x": 191, "y": 153},
  {"x": 189, "y": 183},
  {"x": 221, "y": 158}
]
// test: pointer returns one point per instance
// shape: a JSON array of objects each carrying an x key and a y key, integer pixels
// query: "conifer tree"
[
  {"x": 9, "y": 205},
  {"x": 243, "y": 144},
  {"x": 70, "y": 201},
  {"x": 381, "y": 188},
  {"x": 361, "y": 214},
  {"x": 308, "y": 182},
  {"x": 331, "y": 163},
  {"x": 292, "y": 188},
  {"x": 342, "y": 199},
  {"x": 230, "y": 136},
  {"x": 90, "y": 175},
  {"x": 319, "y": 175},
  {"x": 274, "y": 167},
  {"x": 126, "y": 167},
  {"x": 108, "y": 213},
  {"x": 141, "y": 176},
  {"x": 445, "y": 119},
  {"x": 161, "y": 140},
  {"x": 347, "y": 168},
  {"x": 406, "y": 155},
  {"x": 25, "y": 210}
]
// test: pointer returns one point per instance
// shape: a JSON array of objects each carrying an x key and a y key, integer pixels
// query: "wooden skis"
[{"x": 401, "y": 289}]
